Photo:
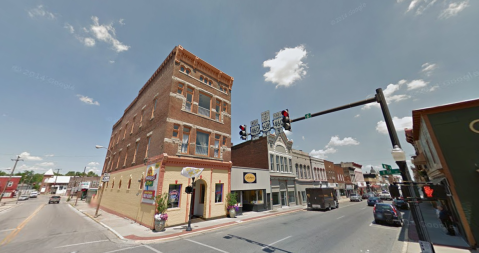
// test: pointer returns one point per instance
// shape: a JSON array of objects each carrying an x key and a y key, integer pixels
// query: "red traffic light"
[
  {"x": 243, "y": 128},
  {"x": 285, "y": 113}
]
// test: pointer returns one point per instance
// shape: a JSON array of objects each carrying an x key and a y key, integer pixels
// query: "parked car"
[
  {"x": 387, "y": 213},
  {"x": 33, "y": 194},
  {"x": 23, "y": 197},
  {"x": 366, "y": 195},
  {"x": 54, "y": 199},
  {"x": 355, "y": 197},
  {"x": 385, "y": 196},
  {"x": 400, "y": 203},
  {"x": 374, "y": 200}
]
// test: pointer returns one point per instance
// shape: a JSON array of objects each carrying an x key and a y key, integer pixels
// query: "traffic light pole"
[{"x": 379, "y": 98}]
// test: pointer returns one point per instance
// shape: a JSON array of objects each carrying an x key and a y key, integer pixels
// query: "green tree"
[
  {"x": 70, "y": 173},
  {"x": 3, "y": 173},
  {"x": 92, "y": 174}
]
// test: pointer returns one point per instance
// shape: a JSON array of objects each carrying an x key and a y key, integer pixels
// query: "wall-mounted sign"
[
  {"x": 249, "y": 178},
  {"x": 148, "y": 195},
  {"x": 85, "y": 185},
  {"x": 151, "y": 182},
  {"x": 349, "y": 187}
]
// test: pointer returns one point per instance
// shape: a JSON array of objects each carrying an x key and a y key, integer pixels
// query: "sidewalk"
[
  {"x": 125, "y": 228},
  {"x": 437, "y": 233},
  {"x": 7, "y": 203}
]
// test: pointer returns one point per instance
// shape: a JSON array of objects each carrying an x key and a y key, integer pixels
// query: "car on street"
[
  {"x": 355, "y": 197},
  {"x": 33, "y": 194},
  {"x": 374, "y": 200},
  {"x": 23, "y": 197},
  {"x": 387, "y": 213},
  {"x": 400, "y": 203},
  {"x": 54, "y": 199},
  {"x": 385, "y": 196}
]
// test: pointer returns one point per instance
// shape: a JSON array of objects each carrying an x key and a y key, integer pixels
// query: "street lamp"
[{"x": 398, "y": 154}]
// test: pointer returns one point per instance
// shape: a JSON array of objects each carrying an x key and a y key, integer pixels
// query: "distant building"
[
  {"x": 52, "y": 184},
  {"x": 12, "y": 185}
]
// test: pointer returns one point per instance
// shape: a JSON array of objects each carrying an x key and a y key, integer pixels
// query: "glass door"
[{"x": 284, "y": 201}]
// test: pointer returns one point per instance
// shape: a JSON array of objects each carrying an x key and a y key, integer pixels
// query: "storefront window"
[
  {"x": 276, "y": 198},
  {"x": 303, "y": 193},
  {"x": 260, "y": 197},
  {"x": 291, "y": 197},
  {"x": 249, "y": 197},
  {"x": 175, "y": 193},
  {"x": 218, "y": 193}
]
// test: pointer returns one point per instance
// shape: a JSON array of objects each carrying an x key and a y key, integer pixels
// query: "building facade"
[
  {"x": 180, "y": 118},
  {"x": 52, "y": 184},
  {"x": 305, "y": 174},
  {"x": 12, "y": 184},
  {"x": 340, "y": 180},
  {"x": 252, "y": 186},
  {"x": 319, "y": 171}
]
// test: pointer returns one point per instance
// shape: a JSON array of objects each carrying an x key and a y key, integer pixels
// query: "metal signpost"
[{"x": 105, "y": 178}]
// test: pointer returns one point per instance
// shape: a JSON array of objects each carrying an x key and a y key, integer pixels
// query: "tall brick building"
[{"x": 180, "y": 118}]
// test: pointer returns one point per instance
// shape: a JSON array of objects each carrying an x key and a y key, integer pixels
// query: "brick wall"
[
  {"x": 330, "y": 172},
  {"x": 253, "y": 154},
  {"x": 339, "y": 171}
]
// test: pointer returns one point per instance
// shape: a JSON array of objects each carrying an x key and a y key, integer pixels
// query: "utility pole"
[
  {"x": 76, "y": 201},
  {"x": 10, "y": 177},
  {"x": 58, "y": 172}
]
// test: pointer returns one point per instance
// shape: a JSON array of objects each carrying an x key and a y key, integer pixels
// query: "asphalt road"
[{"x": 36, "y": 226}]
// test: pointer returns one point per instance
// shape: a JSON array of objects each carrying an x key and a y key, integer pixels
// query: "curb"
[{"x": 99, "y": 222}]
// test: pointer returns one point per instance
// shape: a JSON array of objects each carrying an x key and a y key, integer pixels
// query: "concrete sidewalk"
[
  {"x": 8, "y": 203},
  {"x": 127, "y": 229}
]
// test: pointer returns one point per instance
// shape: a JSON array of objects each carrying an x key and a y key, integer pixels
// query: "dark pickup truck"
[{"x": 322, "y": 198}]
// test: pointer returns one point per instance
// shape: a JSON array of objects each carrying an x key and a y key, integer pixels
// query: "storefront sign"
[
  {"x": 151, "y": 182},
  {"x": 349, "y": 187},
  {"x": 85, "y": 185},
  {"x": 331, "y": 185},
  {"x": 249, "y": 178}
]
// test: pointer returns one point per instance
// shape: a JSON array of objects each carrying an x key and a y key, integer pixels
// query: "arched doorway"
[{"x": 199, "y": 207}]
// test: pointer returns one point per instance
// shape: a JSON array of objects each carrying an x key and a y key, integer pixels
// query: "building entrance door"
[{"x": 284, "y": 200}]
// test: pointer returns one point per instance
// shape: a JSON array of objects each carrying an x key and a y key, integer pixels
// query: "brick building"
[
  {"x": 12, "y": 185},
  {"x": 340, "y": 180},
  {"x": 180, "y": 118},
  {"x": 52, "y": 184}
]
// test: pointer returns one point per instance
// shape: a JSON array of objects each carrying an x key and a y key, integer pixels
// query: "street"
[{"x": 36, "y": 226}]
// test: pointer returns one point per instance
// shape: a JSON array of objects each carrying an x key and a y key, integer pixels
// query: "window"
[
  {"x": 206, "y": 80},
  {"x": 147, "y": 147},
  {"x": 188, "y": 71},
  {"x": 113, "y": 183},
  {"x": 290, "y": 166},
  {"x": 301, "y": 170},
  {"x": 277, "y": 163},
  {"x": 112, "y": 161},
  {"x": 204, "y": 105},
  {"x": 180, "y": 88},
  {"x": 189, "y": 99},
  {"x": 211, "y": 83},
  {"x": 141, "y": 117},
  {"x": 154, "y": 108},
  {"x": 218, "y": 110},
  {"x": 126, "y": 155},
  {"x": 297, "y": 170},
  {"x": 303, "y": 193},
  {"x": 224, "y": 141},
  {"x": 182, "y": 69},
  {"x": 129, "y": 183},
  {"x": 271, "y": 158},
  {"x": 10, "y": 184},
  {"x": 309, "y": 172},
  {"x": 124, "y": 134},
  {"x": 119, "y": 184},
  {"x": 141, "y": 182},
  {"x": 136, "y": 150},
  {"x": 175, "y": 130},
  {"x": 217, "y": 146},
  {"x": 202, "y": 194},
  {"x": 281, "y": 162},
  {"x": 218, "y": 193},
  {"x": 118, "y": 138},
  {"x": 201, "y": 78},
  {"x": 291, "y": 198},
  {"x": 276, "y": 198},
  {"x": 174, "y": 193},
  {"x": 186, "y": 140},
  {"x": 225, "y": 107},
  {"x": 202, "y": 143},
  {"x": 132, "y": 125},
  {"x": 118, "y": 162}
]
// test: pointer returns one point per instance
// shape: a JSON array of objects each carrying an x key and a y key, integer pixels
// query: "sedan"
[
  {"x": 23, "y": 197},
  {"x": 387, "y": 213},
  {"x": 400, "y": 204},
  {"x": 374, "y": 200}
]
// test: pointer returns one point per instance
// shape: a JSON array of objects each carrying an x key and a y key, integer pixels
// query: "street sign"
[
  {"x": 384, "y": 172},
  {"x": 106, "y": 177},
  {"x": 277, "y": 122},
  {"x": 387, "y": 167},
  {"x": 255, "y": 128},
  {"x": 395, "y": 171},
  {"x": 265, "y": 121},
  {"x": 307, "y": 116}
]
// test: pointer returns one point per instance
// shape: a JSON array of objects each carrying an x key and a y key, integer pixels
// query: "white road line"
[
  {"x": 276, "y": 242},
  {"x": 153, "y": 249},
  {"x": 371, "y": 224},
  {"x": 122, "y": 249},
  {"x": 5, "y": 230},
  {"x": 64, "y": 246},
  {"x": 202, "y": 244},
  {"x": 363, "y": 208},
  {"x": 339, "y": 217}
]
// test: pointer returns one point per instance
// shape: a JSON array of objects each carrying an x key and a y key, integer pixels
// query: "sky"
[{"x": 69, "y": 69}]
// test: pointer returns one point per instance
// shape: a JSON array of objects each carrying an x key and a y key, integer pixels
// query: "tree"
[
  {"x": 92, "y": 174},
  {"x": 70, "y": 173},
  {"x": 3, "y": 173}
]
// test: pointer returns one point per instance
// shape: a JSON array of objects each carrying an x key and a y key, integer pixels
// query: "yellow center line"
[{"x": 20, "y": 227}]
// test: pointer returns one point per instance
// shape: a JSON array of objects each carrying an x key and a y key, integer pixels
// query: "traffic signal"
[
  {"x": 434, "y": 191},
  {"x": 394, "y": 191},
  {"x": 286, "y": 120},
  {"x": 188, "y": 189},
  {"x": 243, "y": 132}
]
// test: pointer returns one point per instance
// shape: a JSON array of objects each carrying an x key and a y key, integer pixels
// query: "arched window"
[
  {"x": 182, "y": 69},
  {"x": 297, "y": 170},
  {"x": 206, "y": 80},
  {"x": 201, "y": 78},
  {"x": 129, "y": 183},
  {"x": 113, "y": 183},
  {"x": 309, "y": 172},
  {"x": 188, "y": 71},
  {"x": 119, "y": 184},
  {"x": 141, "y": 182},
  {"x": 301, "y": 170}
]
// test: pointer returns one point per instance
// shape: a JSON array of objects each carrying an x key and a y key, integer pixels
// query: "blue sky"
[{"x": 69, "y": 69}]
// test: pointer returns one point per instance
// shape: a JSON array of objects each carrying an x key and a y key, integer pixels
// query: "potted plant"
[
  {"x": 232, "y": 204},
  {"x": 161, "y": 206}
]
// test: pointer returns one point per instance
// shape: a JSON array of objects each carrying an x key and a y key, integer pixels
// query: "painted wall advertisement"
[{"x": 151, "y": 183}]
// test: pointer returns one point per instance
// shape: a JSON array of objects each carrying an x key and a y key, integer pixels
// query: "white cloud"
[
  {"x": 420, "y": 10},
  {"x": 427, "y": 68},
  {"x": 46, "y": 164},
  {"x": 89, "y": 42},
  {"x": 412, "y": 5},
  {"x": 453, "y": 9},
  {"x": 302, "y": 137},
  {"x": 286, "y": 67},
  {"x": 28, "y": 157},
  {"x": 4, "y": 115},
  {"x": 87, "y": 100},
  {"x": 433, "y": 88},
  {"x": 93, "y": 164},
  {"x": 416, "y": 84},
  {"x": 50, "y": 155},
  {"x": 121, "y": 21},
  {"x": 40, "y": 12},
  {"x": 106, "y": 33},
  {"x": 357, "y": 116},
  {"x": 322, "y": 152},
  {"x": 69, "y": 27},
  {"x": 399, "y": 124},
  {"x": 112, "y": 61},
  {"x": 347, "y": 141},
  {"x": 24, "y": 167},
  {"x": 389, "y": 95}
]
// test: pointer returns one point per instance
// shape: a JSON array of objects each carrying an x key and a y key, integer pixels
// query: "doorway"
[
  {"x": 284, "y": 201},
  {"x": 200, "y": 199}
]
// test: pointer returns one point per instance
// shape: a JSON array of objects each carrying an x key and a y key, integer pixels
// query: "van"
[{"x": 322, "y": 198}]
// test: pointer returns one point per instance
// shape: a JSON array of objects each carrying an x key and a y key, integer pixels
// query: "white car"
[
  {"x": 355, "y": 197},
  {"x": 385, "y": 196},
  {"x": 33, "y": 194},
  {"x": 23, "y": 197}
]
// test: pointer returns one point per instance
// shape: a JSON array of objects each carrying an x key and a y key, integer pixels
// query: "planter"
[
  {"x": 232, "y": 212},
  {"x": 159, "y": 225}
]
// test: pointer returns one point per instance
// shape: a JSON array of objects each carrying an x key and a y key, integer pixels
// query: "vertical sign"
[
  {"x": 255, "y": 129},
  {"x": 151, "y": 183},
  {"x": 265, "y": 122},
  {"x": 278, "y": 122}
]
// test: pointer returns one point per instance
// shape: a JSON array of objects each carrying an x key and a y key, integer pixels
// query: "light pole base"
[{"x": 189, "y": 229}]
